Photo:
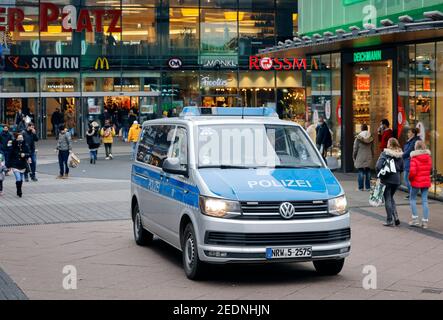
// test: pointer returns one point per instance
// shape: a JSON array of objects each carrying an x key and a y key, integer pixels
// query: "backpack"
[{"x": 387, "y": 168}]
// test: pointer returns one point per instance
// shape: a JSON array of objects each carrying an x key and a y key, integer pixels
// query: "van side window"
[
  {"x": 180, "y": 147},
  {"x": 162, "y": 143},
  {"x": 146, "y": 143}
]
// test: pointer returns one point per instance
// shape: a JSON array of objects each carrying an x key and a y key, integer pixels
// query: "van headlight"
[
  {"x": 219, "y": 208},
  {"x": 338, "y": 206}
]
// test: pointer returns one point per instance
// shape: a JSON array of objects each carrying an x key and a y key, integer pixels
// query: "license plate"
[{"x": 294, "y": 252}]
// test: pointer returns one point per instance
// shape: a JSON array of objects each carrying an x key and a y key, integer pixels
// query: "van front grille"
[
  {"x": 270, "y": 210},
  {"x": 280, "y": 239}
]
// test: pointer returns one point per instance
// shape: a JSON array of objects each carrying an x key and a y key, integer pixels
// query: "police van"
[{"x": 237, "y": 185}]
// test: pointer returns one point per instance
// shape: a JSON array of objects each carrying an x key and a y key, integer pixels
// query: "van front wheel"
[
  {"x": 142, "y": 237},
  {"x": 194, "y": 267},
  {"x": 329, "y": 267}
]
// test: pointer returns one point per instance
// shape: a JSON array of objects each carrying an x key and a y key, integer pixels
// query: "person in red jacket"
[
  {"x": 420, "y": 179},
  {"x": 384, "y": 134}
]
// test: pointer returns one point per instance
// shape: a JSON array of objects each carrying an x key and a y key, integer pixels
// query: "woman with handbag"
[
  {"x": 93, "y": 141},
  {"x": 389, "y": 167},
  {"x": 19, "y": 161}
]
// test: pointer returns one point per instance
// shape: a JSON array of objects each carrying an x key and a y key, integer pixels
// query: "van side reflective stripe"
[
  {"x": 155, "y": 175},
  {"x": 174, "y": 189}
]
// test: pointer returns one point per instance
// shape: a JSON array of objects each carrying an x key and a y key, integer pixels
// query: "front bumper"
[{"x": 249, "y": 253}]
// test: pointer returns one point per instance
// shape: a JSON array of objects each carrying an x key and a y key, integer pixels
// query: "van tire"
[
  {"x": 329, "y": 267},
  {"x": 193, "y": 266},
  {"x": 142, "y": 237}
]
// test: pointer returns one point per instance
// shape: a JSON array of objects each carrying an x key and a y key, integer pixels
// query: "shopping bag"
[
  {"x": 73, "y": 160},
  {"x": 376, "y": 196}
]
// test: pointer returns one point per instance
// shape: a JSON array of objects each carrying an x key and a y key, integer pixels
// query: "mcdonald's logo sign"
[{"x": 101, "y": 63}]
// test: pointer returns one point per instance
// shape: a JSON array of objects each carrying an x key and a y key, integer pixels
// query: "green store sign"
[{"x": 366, "y": 56}]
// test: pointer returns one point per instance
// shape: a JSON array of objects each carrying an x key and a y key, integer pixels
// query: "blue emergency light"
[{"x": 233, "y": 111}]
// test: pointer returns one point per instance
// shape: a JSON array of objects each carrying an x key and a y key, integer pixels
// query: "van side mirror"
[{"x": 172, "y": 165}]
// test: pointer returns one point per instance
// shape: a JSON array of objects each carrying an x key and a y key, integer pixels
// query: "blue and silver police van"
[{"x": 237, "y": 185}]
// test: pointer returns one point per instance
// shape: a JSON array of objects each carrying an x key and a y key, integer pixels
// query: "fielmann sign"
[{"x": 72, "y": 20}]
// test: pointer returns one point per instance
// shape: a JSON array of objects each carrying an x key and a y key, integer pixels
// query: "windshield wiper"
[
  {"x": 282, "y": 166},
  {"x": 224, "y": 166}
]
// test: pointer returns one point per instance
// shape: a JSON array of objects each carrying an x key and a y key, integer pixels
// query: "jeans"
[
  {"x": 71, "y": 131},
  {"x": 133, "y": 150},
  {"x": 18, "y": 175},
  {"x": 424, "y": 200},
  {"x": 364, "y": 175},
  {"x": 33, "y": 165},
  {"x": 391, "y": 209},
  {"x": 125, "y": 133},
  {"x": 93, "y": 154},
  {"x": 108, "y": 149},
  {"x": 63, "y": 156},
  {"x": 406, "y": 179}
]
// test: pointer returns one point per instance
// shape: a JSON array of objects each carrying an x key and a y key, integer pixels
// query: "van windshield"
[{"x": 255, "y": 146}]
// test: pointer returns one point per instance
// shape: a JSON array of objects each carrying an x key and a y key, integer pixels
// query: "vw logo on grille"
[{"x": 287, "y": 210}]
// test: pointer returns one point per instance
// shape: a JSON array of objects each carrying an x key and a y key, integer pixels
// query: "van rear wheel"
[
  {"x": 141, "y": 236},
  {"x": 329, "y": 267},
  {"x": 193, "y": 266}
]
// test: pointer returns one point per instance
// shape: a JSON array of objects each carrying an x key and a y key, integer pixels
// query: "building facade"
[
  {"x": 98, "y": 59},
  {"x": 384, "y": 60}
]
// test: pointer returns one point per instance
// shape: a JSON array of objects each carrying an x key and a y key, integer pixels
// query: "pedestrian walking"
[
  {"x": 420, "y": 180},
  {"x": 56, "y": 121},
  {"x": 6, "y": 139},
  {"x": 69, "y": 118},
  {"x": 363, "y": 153},
  {"x": 390, "y": 158},
  {"x": 384, "y": 134},
  {"x": 64, "y": 148},
  {"x": 108, "y": 133},
  {"x": 18, "y": 161},
  {"x": 93, "y": 141},
  {"x": 30, "y": 137},
  {"x": 3, "y": 171},
  {"x": 324, "y": 137},
  {"x": 407, "y": 149},
  {"x": 134, "y": 134}
]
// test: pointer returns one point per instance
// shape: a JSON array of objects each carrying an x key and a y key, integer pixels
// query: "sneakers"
[
  {"x": 424, "y": 224},
  {"x": 107, "y": 158},
  {"x": 388, "y": 224},
  {"x": 414, "y": 222},
  {"x": 397, "y": 222},
  {"x": 110, "y": 156}
]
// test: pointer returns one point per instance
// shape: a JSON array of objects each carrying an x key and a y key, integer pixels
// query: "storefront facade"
[
  {"x": 384, "y": 61},
  {"x": 100, "y": 59}
]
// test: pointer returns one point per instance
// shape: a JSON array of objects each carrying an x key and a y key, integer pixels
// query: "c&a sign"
[
  {"x": 71, "y": 18},
  {"x": 269, "y": 63}
]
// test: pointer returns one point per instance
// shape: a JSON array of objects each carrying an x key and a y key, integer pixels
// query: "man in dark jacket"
[
  {"x": 30, "y": 138},
  {"x": 6, "y": 139},
  {"x": 57, "y": 119},
  {"x": 324, "y": 137}
]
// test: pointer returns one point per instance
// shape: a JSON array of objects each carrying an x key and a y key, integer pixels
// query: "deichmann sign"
[
  {"x": 71, "y": 20},
  {"x": 42, "y": 63},
  {"x": 268, "y": 63},
  {"x": 365, "y": 56},
  {"x": 102, "y": 63}
]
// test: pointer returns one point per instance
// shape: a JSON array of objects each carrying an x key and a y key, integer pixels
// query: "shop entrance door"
[
  {"x": 68, "y": 113},
  {"x": 372, "y": 97}
]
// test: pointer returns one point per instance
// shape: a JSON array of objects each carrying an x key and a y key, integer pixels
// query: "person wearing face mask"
[{"x": 18, "y": 161}]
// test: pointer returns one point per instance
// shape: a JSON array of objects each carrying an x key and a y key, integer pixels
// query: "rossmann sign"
[
  {"x": 70, "y": 19},
  {"x": 269, "y": 63}
]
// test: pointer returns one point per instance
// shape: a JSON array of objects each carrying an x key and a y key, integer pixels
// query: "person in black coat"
[
  {"x": 391, "y": 179},
  {"x": 30, "y": 137},
  {"x": 93, "y": 140},
  {"x": 6, "y": 139},
  {"x": 324, "y": 137},
  {"x": 18, "y": 161}
]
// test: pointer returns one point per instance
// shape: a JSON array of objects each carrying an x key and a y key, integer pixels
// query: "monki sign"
[
  {"x": 268, "y": 63},
  {"x": 71, "y": 18}
]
